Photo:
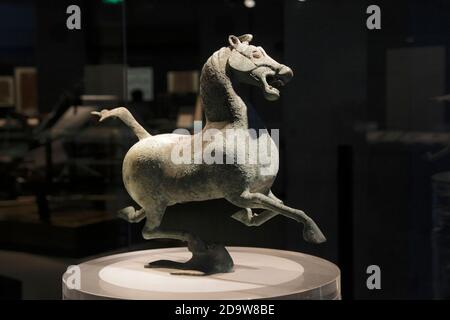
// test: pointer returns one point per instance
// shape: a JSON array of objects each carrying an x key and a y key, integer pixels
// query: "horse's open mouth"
[
  {"x": 271, "y": 85},
  {"x": 274, "y": 81}
]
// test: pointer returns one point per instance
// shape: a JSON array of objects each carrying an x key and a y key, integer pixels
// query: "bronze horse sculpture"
[{"x": 155, "y": 181}]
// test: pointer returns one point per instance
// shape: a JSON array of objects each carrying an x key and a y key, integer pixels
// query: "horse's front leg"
[
  {"x": 250, "y": 219},
  {"x": 247, "y": 217},
  {"x": 311, "y": 231}
]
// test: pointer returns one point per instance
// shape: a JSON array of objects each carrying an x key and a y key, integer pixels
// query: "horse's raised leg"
[
  {"x": 311, "y": 231},
  {"x": 247, "y": 217},
  {"x": 250, "y": 219},
  {"x": 206, "y": 258}
]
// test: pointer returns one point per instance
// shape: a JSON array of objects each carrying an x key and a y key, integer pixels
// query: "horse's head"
[{"x": 252, "y": 65}]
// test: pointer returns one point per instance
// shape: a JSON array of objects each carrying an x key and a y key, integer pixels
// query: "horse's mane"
[
  {"x": 215, "y": 85},
  {"x": 218, "y": 60}
]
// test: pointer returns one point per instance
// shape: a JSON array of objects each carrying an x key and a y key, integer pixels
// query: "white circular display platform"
[{"x": 258, "y": 274}]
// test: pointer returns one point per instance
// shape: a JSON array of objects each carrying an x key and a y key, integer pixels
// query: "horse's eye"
[{"x": 256, "y": 54}]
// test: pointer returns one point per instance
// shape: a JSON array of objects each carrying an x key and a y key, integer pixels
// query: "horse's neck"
[{"x": 220, "y": 100}]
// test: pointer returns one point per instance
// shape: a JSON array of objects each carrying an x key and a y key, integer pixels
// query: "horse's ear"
[
  {"x": 234, "y": 41},
  {"x": 246, "y": 38}
]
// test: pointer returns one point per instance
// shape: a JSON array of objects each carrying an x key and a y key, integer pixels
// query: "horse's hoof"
[
  {"x": 126, "y": 213},
  {"x": 101, "y": 114},
  {"x": 131, "y": 215},
  {"x": 312, "y": 233}
]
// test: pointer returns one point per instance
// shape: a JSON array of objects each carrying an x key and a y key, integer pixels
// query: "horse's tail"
[{"x": 124, "y": 115}]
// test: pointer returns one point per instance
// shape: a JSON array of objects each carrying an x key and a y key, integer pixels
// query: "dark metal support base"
[{"x": 206, "y": 258}]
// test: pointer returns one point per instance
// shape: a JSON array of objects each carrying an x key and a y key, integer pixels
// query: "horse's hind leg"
[{"x": 311, "y": 231}]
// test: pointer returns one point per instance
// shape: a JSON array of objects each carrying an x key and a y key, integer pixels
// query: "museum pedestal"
[{"x": 258, "y": 274}]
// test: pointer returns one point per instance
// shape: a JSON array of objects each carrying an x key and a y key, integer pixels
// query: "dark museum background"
[{"x": 360, "y": 127}]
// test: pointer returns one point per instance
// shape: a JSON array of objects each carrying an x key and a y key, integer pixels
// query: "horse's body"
[
  {"x": 154, "y": 180},
  {"x": 150, "y": 176}
]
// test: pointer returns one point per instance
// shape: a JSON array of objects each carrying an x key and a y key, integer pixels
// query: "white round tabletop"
[{"x": 258, "y": 274}]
